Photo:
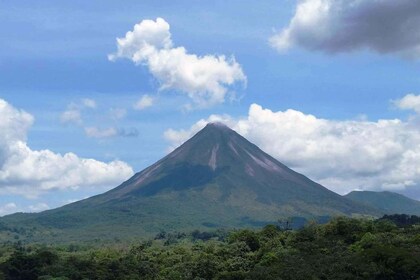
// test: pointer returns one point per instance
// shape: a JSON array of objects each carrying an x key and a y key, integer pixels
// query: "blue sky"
[{"x": 54, "y": 57}]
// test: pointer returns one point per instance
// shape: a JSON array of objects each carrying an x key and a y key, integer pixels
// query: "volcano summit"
[{"x": 215, "y": 179}]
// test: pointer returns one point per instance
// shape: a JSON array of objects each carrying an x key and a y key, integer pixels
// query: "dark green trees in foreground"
[{"x": 342, "y": 249}]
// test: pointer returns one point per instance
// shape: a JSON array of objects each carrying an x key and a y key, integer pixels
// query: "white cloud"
[
  {"x": 118, "y": 113},
  {"x": 144, "y": 102},
  {"x": 177, "y": 137},
  {"x": 342, "y": 155},
  {"x": 73, "y": 113},
  {"x": 95, "y": 132},
  {"x": 30, "y": 172},
  {"x": 89, "y": 103},
  {"x": 41, "y": 206},
  {"x": 68, "y": 201},
  {"x": 71, "y": 116},
  {"x": 205, "y": 79},
  {"x": 8, "y": 208},
  {"x": 332, "y": 26},
  {"x": 409, "y": 102}
]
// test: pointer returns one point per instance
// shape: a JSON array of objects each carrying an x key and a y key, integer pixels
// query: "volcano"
[{"x": 215, "y": 179}]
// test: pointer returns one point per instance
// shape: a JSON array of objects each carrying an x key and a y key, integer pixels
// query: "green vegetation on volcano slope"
[
  {"x": 216, "y": 179},
  {"x": 342, "y": 249}
]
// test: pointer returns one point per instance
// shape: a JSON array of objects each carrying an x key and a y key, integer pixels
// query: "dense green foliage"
[
  {"x": 342, "y": 249},
  {"x": 402, "y": 220}
]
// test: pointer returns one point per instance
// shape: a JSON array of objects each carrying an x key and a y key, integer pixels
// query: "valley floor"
[{"x": 344, "y": 248}]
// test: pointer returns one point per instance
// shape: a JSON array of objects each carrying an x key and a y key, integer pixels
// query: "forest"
[{"x": 343, "y": 248}]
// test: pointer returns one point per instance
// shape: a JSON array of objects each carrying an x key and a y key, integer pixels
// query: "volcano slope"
[{"x": 215, "y": 179}]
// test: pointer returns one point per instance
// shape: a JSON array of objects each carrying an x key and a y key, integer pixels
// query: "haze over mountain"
[
  {"x": 215, "y": 179},
  {"x": 387, "y": 202}
]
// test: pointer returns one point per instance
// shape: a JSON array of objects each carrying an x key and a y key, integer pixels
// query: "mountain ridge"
[
  {"x": 386, "y": 201},
  {"x": 217, "y": 178}
]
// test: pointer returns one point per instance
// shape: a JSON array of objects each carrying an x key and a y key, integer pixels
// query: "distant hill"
[
  {"x": 215, "y": 179},
  {"x": 387, "y": 202}
]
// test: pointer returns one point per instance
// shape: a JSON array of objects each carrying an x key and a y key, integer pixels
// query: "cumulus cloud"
[
  {"x": 333, "y": 26},
  {"x": 11, "y": 207},
  {"x": 205, "y": 79},
  {"x": 41, "y": 206},
  {"x": 30, "y": 172},
  {"x": 144, "y": 102},
  {"x": 8, "y": 208},
  {"x": 73, "y": 113},
  {"x": 177, "y": 137},
  {"x": 409, "y": 102},
  {"x": 342, "y": 155}
]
